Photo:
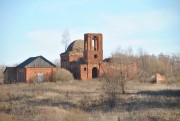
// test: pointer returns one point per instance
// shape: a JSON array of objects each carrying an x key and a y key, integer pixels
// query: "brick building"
[
  {"x": 33, "y": 69},
  {"x": 84, "y": 57}
]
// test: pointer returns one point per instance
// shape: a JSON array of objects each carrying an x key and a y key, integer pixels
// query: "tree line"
[{"x": 149, "y": 64}]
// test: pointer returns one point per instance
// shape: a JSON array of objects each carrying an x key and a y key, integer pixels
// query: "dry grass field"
[{"x": 84, "y": 101}]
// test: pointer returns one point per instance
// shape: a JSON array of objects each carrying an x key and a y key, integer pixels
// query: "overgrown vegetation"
[
  {"x": 166, "y": 64},
  {"x": 114, "y": 84},
  {"x": 81, "y": 101},
  {"x": 121, "y": 98},
  {"x": 62, "y": 75},
  {"x": 122, "y": 69}
]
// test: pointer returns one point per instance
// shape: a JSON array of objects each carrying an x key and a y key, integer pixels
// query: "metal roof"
[{"x": 30, "y": 60}]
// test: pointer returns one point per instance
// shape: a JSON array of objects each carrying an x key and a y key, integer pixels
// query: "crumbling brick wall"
[{"x": 88, "y": 63}]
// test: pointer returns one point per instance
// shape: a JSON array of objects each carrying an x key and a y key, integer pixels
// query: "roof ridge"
[
  {"x": 31, "y": 59},
  {"x": 47, "y": 60}
]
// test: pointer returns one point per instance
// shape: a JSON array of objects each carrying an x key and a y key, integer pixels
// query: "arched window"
[
  {"x": 94, "y": 43},
  {"x": 84, "y": 68}
]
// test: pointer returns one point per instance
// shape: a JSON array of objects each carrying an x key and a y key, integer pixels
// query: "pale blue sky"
[{"x": 34, "y": 27}]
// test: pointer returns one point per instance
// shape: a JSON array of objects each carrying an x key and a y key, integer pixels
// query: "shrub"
[
  {"x": 173, "y": 80},
  {"x": 2, "y": 68},
  {"x": 114, "y": 84},
  {"x": 62, "y": 75}
]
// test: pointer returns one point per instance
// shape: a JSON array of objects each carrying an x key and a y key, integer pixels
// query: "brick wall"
[
  {"x": 33, "y": 72},
  {"x": 66, "y": 58},
  {"x": 75, "y": 56},
  {"x": 110, "y": 68},
  {"x": 86, "y": 71}
]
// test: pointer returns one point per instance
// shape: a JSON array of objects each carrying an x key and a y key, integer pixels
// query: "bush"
[
  {"x": 173, "y": 80},
  {"x": 62, "y": 75}
]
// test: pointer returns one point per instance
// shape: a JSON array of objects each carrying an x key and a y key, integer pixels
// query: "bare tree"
[
  {"x": 65, "y": 38},
  {"x": 124, "y": 66},
  {"x": 116, "y": 74},
  {"x": 143, "y": 59},
  {"x": 175, "y": 64},
  {"x": 2, "y": 67},
  {"x": 57, "y": 62}
]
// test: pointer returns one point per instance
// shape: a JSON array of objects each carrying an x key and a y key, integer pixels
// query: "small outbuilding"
[
  {"x": 10, "y": 75},
  {"x": 34, "y": 69}
]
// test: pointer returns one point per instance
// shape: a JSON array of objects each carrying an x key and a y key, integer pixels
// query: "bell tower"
[{"x": 93, "y": 52}]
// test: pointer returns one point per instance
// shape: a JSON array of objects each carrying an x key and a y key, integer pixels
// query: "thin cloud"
[
  {"x": 47, "y": 42},
  {"x": 118, "y": 30},
  {"x": 147, "y": 21},
  {"x": 45, "y": 36}
]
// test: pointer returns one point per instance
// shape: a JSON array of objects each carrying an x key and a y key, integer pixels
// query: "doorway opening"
[
  {"x": 94, "y": 72},
  {"x": 41, "y": 77}
]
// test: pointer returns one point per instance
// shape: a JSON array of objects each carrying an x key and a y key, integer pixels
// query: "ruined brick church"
[{"x": 83, "y": 58}]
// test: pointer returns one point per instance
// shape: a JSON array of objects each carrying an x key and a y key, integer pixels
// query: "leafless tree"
[
  {"x": 143, "y": 59},
  {"x": 119, "y": 71},
  {"x": 175, "y": 64},
  {"x": 65, "y": 38},
  {"x": 116, "y": 75},
  {"x": 57, "y": 63},
  {"x": 2, "y": 67}
]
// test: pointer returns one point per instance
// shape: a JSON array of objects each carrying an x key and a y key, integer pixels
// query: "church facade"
[{"x": 84, "y": 58}]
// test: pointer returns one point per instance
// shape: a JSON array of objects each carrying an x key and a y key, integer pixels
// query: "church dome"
[{"x": 76, "y": 46}]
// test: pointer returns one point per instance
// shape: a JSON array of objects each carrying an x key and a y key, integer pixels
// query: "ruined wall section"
[{"x": 67, "y": 58}]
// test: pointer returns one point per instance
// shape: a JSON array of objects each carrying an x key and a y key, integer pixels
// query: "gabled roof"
[
  {"x": 10, "y": 69},
  {"x": 38, "y": 61}
]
